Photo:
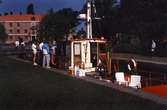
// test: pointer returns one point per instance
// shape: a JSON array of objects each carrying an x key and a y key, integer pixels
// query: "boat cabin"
[{"x": 86, "y": 50}]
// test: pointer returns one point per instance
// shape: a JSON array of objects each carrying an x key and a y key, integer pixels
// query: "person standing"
[
  {"x": 41, "y": 53},
  {"x": 153, "y": 46},
  {"x": 34, "y": 49},
  {"x": 22, "y": 48},
  {"x": 17, "y": 45},
  {"x": 53, "y": 54},
  {"x": 46, "y": 55},
  {"x": 22, "y": 44}
]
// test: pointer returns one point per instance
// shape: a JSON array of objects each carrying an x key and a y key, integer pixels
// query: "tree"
[
  {"x": 66, "y": 22},
  {"x": 81, "y": 33},
  {"x": 105, "y": 9},
  {"x": 30, "y": 9},
  {"x": 144, "y": 19},
  {"x": 3, "y": 35},
  {"x": 56, "y": 25},
  {"x": 47, "y": 26}
]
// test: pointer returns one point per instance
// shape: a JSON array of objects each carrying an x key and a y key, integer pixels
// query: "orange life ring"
[{"x": 134, "y": 64}]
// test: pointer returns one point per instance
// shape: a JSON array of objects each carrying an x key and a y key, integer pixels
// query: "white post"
[{"x": 89, "y": 20}]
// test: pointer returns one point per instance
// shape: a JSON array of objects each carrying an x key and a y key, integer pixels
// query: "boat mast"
[{"x": 89, "y": 19}]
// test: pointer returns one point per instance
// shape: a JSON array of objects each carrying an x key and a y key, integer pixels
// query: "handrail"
[
  {"x": 151, "y": 79},
  {"x": 60, "y": 60},
  {"x": 148, "y": 78}
]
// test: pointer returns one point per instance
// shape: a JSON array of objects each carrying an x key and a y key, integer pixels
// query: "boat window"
[
  {"x": 102, "y": 48},
  {"x": 63, "y": 50}
]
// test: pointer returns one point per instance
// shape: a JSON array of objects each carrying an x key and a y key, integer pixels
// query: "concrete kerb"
[{"x": 143, "y": 94}]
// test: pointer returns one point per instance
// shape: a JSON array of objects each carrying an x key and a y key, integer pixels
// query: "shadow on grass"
[{"x": 24, "y": 87}]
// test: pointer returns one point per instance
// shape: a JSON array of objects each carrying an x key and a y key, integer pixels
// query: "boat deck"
[{"x": 160, "y": 90}]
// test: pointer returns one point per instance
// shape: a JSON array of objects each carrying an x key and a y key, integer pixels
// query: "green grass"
[
  {"x": 139, "y": 57},
  {"x": 27, "y": 87}
]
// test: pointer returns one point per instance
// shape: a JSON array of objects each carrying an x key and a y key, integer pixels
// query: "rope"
[{"x": 100, "y": 28}]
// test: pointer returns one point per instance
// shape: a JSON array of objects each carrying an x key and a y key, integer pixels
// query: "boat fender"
[{"x": 134, "y": 64}]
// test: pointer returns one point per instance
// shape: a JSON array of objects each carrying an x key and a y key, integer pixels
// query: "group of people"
[
  {"x": 19, "y": 45},
  {"x": 47, "y": 54}
]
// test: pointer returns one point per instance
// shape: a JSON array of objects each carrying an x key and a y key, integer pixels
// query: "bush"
[
  {"x": 132, "y": 45},
  {"x": 132, "y": 48}
]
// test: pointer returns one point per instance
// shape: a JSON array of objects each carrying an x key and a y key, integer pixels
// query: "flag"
[{"x": 93, "y": 9}]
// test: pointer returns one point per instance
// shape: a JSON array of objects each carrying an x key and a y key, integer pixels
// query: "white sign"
[{"x": 77, "y": 49}]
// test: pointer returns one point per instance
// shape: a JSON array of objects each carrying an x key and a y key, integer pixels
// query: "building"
[{"x": 21, "y": 26}]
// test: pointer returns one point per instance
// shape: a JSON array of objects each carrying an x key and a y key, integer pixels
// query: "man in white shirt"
[
  {"x": 153, "y": 46},
  {"x": 41, "y": 53},
  {"x": 17, "y": 45}
]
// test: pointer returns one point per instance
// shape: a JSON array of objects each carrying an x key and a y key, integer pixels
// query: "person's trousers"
[
  {"x": 152, "y": 53},
  {"x": 46, "y": 60},
  {"x": 41, "y": 57}
]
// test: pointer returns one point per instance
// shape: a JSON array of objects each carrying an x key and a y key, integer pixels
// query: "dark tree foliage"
[
  {"x": 143, "y": 18},
  {"x": 81, "y": 33},
  {"x": 30, "y": 9},
  {"x": 67, "y": 21},
  {"x": 106, "y": 11},
  {"x": 46, "y": 28},
  {"x": 58, "y": 25},
  {"x": 3, "y": 35}
]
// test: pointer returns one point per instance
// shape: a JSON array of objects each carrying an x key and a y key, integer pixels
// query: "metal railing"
[
  {"x": 62, "y": 63},
  {"x": 152, "y": 78}
]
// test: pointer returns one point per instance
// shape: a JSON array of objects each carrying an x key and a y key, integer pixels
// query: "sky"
[{"x": 40, "y": 6}]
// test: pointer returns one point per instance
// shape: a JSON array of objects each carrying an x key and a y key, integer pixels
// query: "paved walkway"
[{"x": 143, "y": 94}]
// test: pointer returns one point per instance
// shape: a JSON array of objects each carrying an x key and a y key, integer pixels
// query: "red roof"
[{"x": 21, "y": 17}]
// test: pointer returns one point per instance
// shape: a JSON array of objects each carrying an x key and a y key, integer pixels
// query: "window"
[
  {"x": 10, "y": 31},
  {"x": 77, "y": 49},
  {"x": 18, "y": 37},
  {"x": 18, "y": 31},
  {"x": 10, "y": 24},
  {"x": 33, "y": 31},
  {"x": 94, "y": 47},
  {"x": 25, "y": 31},
  {"x": 26, "y": 37},
  {"x": 33, "y": 24},
  {"x": 33, "y": 18},
  {"x": 25, "y": 24},
  {"x": 18, "y": 24},
  {"x": 102, "y": 48},
  {"x": 11, "y": 37}
]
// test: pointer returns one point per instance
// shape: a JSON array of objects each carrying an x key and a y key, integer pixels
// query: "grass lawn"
[
  {"x": 139, "y": 57},
  {"x": 27, "y": 87}
]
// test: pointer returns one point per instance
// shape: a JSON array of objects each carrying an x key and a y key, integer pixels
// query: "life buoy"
[{"x": 134, "y": 64}]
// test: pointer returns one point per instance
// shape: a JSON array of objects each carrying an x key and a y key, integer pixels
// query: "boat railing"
[
  {"x": 152, "y": 78},
  {"x": 62, "y": 62}
]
